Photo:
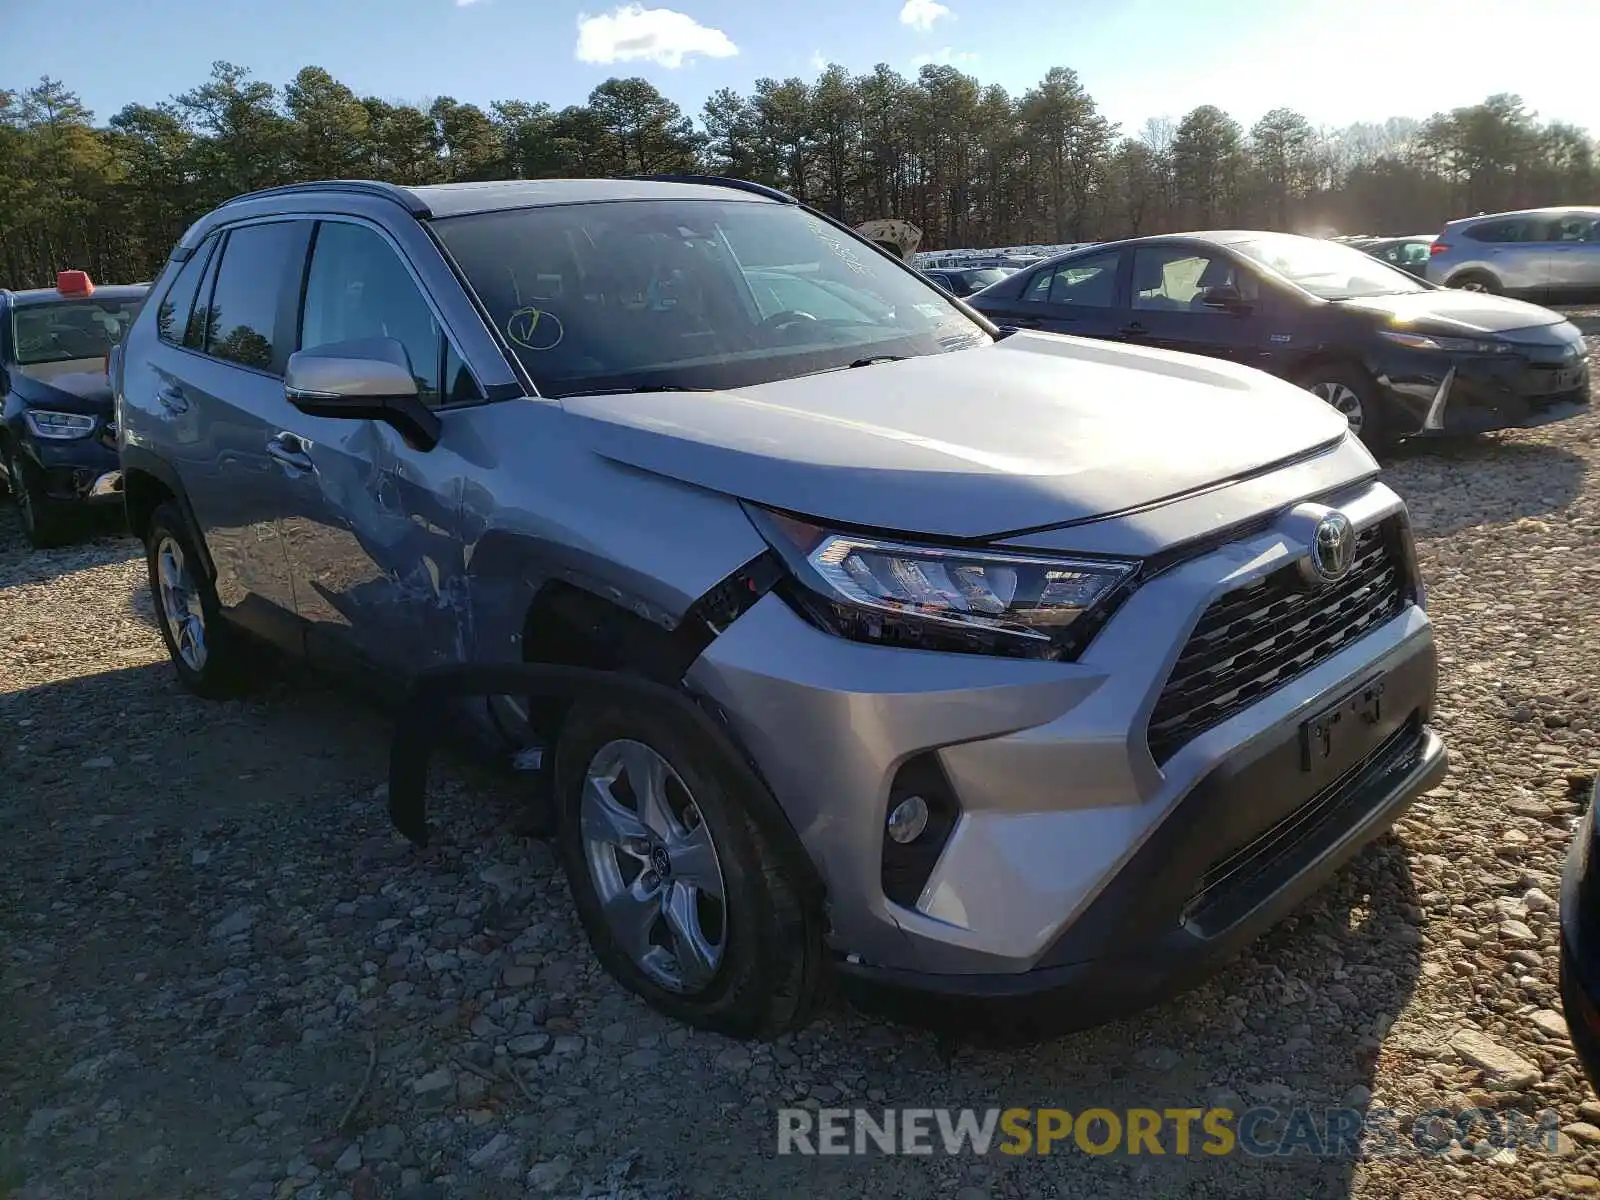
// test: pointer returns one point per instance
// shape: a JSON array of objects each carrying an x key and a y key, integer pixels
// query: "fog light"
[{"x": 908, "y": 819}]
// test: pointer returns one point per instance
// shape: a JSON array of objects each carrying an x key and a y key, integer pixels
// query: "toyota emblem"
[{"x": 1333, "y": 548}]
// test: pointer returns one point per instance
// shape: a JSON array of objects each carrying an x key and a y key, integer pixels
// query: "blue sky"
[{"x": 1336, "y": 62}]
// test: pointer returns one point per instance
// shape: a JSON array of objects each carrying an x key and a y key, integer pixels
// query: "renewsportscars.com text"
[{"x": 1259, "y": 1132}]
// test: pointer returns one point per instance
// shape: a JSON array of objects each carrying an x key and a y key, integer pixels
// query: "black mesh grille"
[{"x": 1255, "y": 640}]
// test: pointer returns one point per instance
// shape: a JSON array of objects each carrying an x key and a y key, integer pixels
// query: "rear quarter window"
[
  {"x": 172, "y": 314},
  {"x": 1519, "y": 229}
]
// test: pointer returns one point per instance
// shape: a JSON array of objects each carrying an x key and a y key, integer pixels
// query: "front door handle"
[
  {"x": 172, "y": 400},
  {"x": 290, "y": 450},
  {"x": 1134, "y": 330}
]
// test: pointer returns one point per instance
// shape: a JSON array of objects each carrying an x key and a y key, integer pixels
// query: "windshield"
[
  {"x": 692, "y": 293},
  {"x": 55, "y": 331},
  {"x": 1327, "y": 269},
  {"x": 984, "y": 276}
]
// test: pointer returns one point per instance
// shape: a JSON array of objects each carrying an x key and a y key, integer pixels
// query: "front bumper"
[
  {"x": 1071, "y": 842},
  {"x": 1438, "y": 395},
  {"x": 1580, "y": 941},
  {"x": 85, "y": 470}
]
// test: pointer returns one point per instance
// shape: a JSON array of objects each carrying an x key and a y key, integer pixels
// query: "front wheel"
[
  {"x": 46, "y": 523},
  {"x": 683, "y": 899},
  {"x": 1352, "y": 394}
]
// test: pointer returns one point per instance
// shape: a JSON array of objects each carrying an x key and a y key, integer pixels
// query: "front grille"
[
  {"x": 1238, "y": 882},
  {"x": 1253, "y": 641}
]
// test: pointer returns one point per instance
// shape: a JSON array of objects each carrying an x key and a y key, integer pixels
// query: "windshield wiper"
[
  {"x": 633, "y": 391},
  {"x": 875, "y": 359}
]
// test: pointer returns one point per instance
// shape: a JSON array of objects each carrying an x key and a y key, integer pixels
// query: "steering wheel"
[{"x": 786, "y": 319}]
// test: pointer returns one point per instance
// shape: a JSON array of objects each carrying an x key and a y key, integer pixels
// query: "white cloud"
[
  {"x": 819, "y": 61},
  {"x": 946, "y": 56},
  {"x": 921, "y": 14},
  {"x": 634, "y": 33},
  {"x": 467, "y": 3}
]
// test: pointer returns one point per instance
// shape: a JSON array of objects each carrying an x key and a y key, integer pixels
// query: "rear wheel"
[
  {"x": 1475, "y": 281},
  {"x": 1352, "y": 394},
  {"x": 210, "y": 656},
  {"x": 684, "y": 901}
]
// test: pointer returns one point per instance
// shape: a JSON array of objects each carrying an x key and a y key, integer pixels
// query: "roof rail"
[
  {"x": 356, "y": 187},
  {"x": 727, "y": 181}
]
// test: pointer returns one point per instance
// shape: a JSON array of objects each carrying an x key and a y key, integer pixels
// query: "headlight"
[
  {"x": 1428, "y": 341},
  {"x": 936, "y": 598},
  {"x": 58, "y": 426}
]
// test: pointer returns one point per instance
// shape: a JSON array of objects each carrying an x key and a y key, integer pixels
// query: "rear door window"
[
  {"x": 1574, "y": 227},
  {"x": 1089, "y": 282},
  {"x": 244, "y": 321}
]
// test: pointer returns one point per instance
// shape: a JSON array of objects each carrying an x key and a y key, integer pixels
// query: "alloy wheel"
[
  {"x": 1345, "y": 401},
  {"x": 181, "y": 610},
  {"x": 654, "y": 866}
]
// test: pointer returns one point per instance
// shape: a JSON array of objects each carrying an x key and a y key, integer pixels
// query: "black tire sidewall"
[
  {"x": 223, "y": 673},
  {"x": 743, "y": 996}
]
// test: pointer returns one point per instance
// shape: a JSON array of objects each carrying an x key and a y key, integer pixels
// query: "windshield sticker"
[{"x": 535, "y": 329}]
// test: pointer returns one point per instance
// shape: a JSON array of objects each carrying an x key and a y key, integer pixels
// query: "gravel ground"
[{"x": 222, "y": 975}]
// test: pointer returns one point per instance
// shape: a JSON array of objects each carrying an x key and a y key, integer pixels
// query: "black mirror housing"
[
  {"x": 368, "y": 379},
  {"x": 1227, "y": 297}
]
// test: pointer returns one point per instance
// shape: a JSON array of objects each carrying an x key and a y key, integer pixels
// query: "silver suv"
[
  {"x": 1545, "y": 254},
  {"x": 1030, "y": 673}
]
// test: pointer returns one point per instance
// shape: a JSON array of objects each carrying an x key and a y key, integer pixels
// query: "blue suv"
[{"x": 1028, "y": 673}]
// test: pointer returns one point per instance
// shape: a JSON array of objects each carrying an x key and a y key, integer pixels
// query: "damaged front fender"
[{"x": 423, "y": 716}]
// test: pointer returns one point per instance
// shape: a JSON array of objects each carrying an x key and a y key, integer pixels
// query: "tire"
[
  {"x": 1351, "y": 391},
  {"x": 223, "y": 667},
  {"x": 1476, "y": 281},
  {"x": 46, "y": 523},
  {"x": 762, "y": 973}
]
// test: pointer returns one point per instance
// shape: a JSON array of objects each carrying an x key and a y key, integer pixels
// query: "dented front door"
[{"x": 375, "y": 551}]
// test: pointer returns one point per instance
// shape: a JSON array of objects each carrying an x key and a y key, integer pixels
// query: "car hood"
[
  {"x": 1452, "y": 311},
  {"x": 78, "y": 391},
  {"x": 1033, "y": 431}
]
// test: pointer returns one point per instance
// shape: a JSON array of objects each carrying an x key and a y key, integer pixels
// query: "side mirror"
[
  {"x": 1225, "y": 297},
  {"x": 365, "y": 380}
]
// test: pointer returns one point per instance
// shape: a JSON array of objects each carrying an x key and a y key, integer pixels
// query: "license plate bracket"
[{"x": 1345, "y": 720}]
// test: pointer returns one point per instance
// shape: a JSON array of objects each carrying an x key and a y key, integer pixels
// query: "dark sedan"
[
  {"x": 1410, "y": 253},
  {"x": 964, "y": 281},
  {"x": 1580, "y": 942},
  {"x": 1398, "y": 356},
  {"x": 58, "y": 444}
]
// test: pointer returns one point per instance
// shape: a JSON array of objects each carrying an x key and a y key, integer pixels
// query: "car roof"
[
  {"x": 1215, "y": 237},
  {"x": 1527, "y": 212},
  {"x": 461, "y": 199},
  {"x": 102, "y": 291}
]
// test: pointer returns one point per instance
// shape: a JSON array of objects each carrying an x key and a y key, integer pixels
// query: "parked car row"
[{"x": 811, "y": 584}]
